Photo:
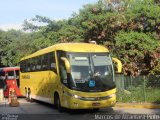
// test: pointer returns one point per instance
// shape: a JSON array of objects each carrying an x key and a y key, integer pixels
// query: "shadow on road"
[{"x": 79, "y": 111}]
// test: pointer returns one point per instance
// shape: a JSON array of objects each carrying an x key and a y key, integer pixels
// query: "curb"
[{"x": 133, "y": 105}]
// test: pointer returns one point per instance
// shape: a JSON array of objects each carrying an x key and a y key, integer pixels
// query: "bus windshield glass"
[
  {"x": 91, "y": 72},
  {"x": 10, "y": 75},
  {"x": 2, "y": 75}
]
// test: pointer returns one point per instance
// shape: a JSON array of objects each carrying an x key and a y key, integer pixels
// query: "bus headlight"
[
  {"x": 73, "y": 95},
  {"x": 112, "y": 95},
  {"x": 76, "y": 96},
  {"x": 90, "y": 98}
]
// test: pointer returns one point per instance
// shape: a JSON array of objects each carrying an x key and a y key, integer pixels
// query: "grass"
[{"x": 139, "y": 95}]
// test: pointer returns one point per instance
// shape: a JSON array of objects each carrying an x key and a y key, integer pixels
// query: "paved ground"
[{"x": 42, "y": 111}]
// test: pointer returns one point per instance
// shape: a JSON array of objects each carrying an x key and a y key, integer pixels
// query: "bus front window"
[
  {"x": 103, "y": 71},
  {"x": 91, "y": 72},
  {"x": 2, "y": 75},
  {"x": 80, "y": 69},
  {"x": 10, "y": 75}
]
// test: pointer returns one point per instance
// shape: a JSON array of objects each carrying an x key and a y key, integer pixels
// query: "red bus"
[{"x": 9, "y": 77}]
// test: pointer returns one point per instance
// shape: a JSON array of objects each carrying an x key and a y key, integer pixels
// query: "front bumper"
[{"x": 82, "y": 104}]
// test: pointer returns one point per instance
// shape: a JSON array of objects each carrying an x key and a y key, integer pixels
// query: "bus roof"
[
  {"x": 70, "y": 47},
  {"x": 10, "y": 68}
]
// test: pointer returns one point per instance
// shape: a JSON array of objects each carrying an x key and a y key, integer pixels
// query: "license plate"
[{"x": 95, "y": 104}]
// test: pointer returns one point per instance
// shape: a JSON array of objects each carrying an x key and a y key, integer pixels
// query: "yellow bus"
[{"x": 70, "y": 75}]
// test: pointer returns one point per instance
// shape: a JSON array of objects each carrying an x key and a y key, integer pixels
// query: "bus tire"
[
  {"x": 25, "y": 89},
  {"x": 30, "y": 99},
  {"x": 58, "y": 103},
  {"x": 27, "y": 95}
]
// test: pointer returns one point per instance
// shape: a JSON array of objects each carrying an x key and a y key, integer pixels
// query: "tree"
[
  {"x": 126, "y": 27},
  {"x": 136, "y": 50}
]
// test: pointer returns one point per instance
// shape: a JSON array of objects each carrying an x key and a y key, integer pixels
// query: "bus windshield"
[
  {"x": 91, "y": 72},
  {"x": 10, "y": 75},
  {"x": 2, "y": 75}
]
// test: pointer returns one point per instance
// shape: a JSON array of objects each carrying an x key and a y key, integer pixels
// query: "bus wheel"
[
  {"x": 26, "y": 93},
  {"x": 30, "y": 99},
  {"x": 58, "y": 103}
]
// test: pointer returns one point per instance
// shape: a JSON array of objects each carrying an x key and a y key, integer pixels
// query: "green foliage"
[
  {"x": 135, "y": 42},
  {"x": 139, "y": 96},
  {"x": 156, "y": 69},
  {"x": 131, "y": 31},
  {"x": 138, "y": 89},
  {"x": 41, "y": 19},
  {"x": 13, "y": 47},
  {"x": 135, "y": 49},
  {"x": 69, "y": 33},
  {"x": 29, "y": 26}
]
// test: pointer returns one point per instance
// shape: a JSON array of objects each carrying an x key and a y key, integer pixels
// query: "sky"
[{"x": 14, "y": 12}]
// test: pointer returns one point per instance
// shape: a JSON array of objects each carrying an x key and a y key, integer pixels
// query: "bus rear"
[{"x": 11, "y": 77}]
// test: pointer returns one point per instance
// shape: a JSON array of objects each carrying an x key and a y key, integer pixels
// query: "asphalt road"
[{"x": 41, "y": 111}]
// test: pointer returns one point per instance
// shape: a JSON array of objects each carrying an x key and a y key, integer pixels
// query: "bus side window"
[
  {"x": 63, "y": 73},
  {"x": 28, "y": 66},
  {"x": 38, "y": 65},
  {"x": 44, "y": 62},
  {"x": 22, "y": 66},
  {"x": 33, "y": 64},
  {"x": 52, "y": 62},
  {"x": 48, "y": 61}
]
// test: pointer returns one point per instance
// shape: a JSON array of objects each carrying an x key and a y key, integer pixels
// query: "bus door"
[{"x": 63, "y": 76}]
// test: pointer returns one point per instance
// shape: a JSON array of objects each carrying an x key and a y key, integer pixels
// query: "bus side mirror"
[
  {"x": 118, "y": 65},
  {"x": 67, "y": 64}
]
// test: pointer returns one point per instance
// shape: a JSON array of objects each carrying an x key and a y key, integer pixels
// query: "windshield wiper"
[{"x": 95, "y": 90}]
